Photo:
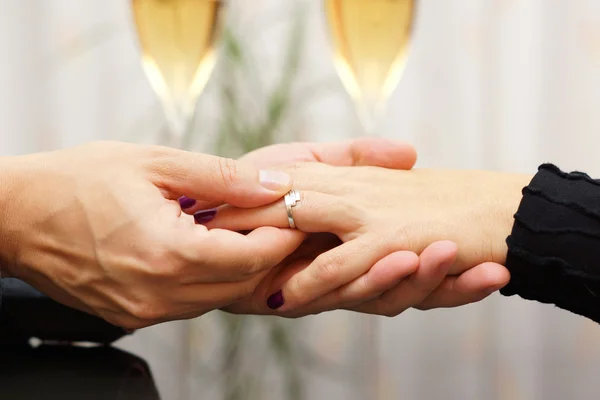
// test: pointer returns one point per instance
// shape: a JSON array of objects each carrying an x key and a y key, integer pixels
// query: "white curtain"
[{"x": 494, "y": 84}]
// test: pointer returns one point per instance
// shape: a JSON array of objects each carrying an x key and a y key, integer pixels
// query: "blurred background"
[{"x": 493, "y": 84}]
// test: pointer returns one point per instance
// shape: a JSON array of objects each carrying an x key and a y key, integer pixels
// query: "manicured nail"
[
  {"x": 205, "y": 216},
  {"x": 275, "y": 300},
  {"x": 274, "y": 180},
  {"x": 186, "y": 202}
]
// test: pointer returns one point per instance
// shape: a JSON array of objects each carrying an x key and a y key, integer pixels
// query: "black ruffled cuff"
[{"x": 554, "y": 247}]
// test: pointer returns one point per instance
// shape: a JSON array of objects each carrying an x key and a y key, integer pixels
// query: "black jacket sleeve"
[{"x": 554, "y": 247}]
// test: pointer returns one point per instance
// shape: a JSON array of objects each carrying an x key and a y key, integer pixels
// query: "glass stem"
[
  {"x": 370, "y": 115},
  {"x": 179, "y": 130}
]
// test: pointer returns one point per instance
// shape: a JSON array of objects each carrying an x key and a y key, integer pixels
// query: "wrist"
[{"x": 507, "y": 206}]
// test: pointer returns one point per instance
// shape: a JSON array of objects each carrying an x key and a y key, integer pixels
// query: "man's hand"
[{"x": 99, "y": 228}]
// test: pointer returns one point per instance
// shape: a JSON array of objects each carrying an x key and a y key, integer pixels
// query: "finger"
[
  {"x": 378, "y": 152},
  {"x": 471, "y": 286},
  {"x": 256, "y": 304},
  {"x": 186, "y": 302},
  {"x": 384, "y": 275},
  {"x": 311, "y": 248},
  {"x": 216, "y": 179},
  {"x": 367, "y": 151},
  {"x": 327, "y": 272},
  {"x": 370, "y": 151},
  {"x": 195, "y": 300},
  {"x": 315, "y": 212},
  {"x": 225, "y": 256},
  {"x": 434, "y": 263}
]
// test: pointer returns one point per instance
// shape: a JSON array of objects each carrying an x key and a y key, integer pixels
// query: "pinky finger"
[{"x": 471, "y": 286}]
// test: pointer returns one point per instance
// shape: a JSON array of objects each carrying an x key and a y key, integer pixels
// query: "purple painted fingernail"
[
  {"x": 186, "y": 202},
  {"x": 205, "y": 216},
  {"x": 275, "y": 301}
]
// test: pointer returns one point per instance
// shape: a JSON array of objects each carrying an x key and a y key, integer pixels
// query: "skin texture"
[{"x": 376, "y": 212}]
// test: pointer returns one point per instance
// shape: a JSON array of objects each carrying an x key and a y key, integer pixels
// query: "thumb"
[
  {"x": 381, "y": 152},
  {"x": 219, "y": 180}
]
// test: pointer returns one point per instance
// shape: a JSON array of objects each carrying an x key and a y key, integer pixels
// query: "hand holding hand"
[{"x": 376, "y": 212}]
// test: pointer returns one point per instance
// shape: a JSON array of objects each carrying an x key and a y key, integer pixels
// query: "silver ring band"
[{"x": 291, "y": 199}]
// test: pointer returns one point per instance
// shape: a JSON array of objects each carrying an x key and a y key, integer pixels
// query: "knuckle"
[
  {"x": 157, "y": 259},
  {"x": 339, "y": 298},
  {"x": 163, "y": 269},
  {"x": 146, "y": 311},
  {"x": 156, "y": 156},
  {"x": 155, "y": 152},
  {"x": 296, "y": 291},
  {"x": 247, "y": 290},
  {"x": 301, "y": 172},
  {"x": 391, "y": 313},
  {"x": 354, "y": 212},
  {"x": 228, "y": 172},
  {"x": 242, "y": 295},
  {"x": 400, "y": 238},
  {"x": 164, "y": 260},
  {"x": 249, "y": 266},
  {"x": 389, "y": 309},
  {"x": 297, "y": 166},
  {"x": 179, "y": 269},
  {"x": 328, "y": 267}
]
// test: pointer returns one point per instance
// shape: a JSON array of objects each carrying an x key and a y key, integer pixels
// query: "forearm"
[
  {"x": 554, "y": 246},
  {"x": 502, "y": 210}
]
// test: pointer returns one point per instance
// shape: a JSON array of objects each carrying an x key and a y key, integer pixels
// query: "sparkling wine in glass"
[
  {"x": 371, "y": 40},
  {"x": 177, "y": 39}
]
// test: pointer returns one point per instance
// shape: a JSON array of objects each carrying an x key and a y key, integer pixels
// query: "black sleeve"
[{"x": 554, "y": 247}]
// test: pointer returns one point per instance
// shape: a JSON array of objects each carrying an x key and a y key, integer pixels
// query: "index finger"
[{"x": 225, "y": 256}]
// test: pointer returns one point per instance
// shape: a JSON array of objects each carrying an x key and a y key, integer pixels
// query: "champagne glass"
[
  {"x": 371, "y": 40},
  {"x": 177, "y": 39}
]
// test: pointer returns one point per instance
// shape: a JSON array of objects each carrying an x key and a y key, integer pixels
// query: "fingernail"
[
  {"x": 186, "y": 202},
  {"x": 274, "y": 180},
  {"x": 275, "y": 300},
  {"x": 205, "y": 216}
]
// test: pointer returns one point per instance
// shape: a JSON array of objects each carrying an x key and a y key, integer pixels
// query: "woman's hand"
[
  {"x": 395, "y": 283},
  {"x": 99, "y": 228},
  {"x": 377, "y": 212}
]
